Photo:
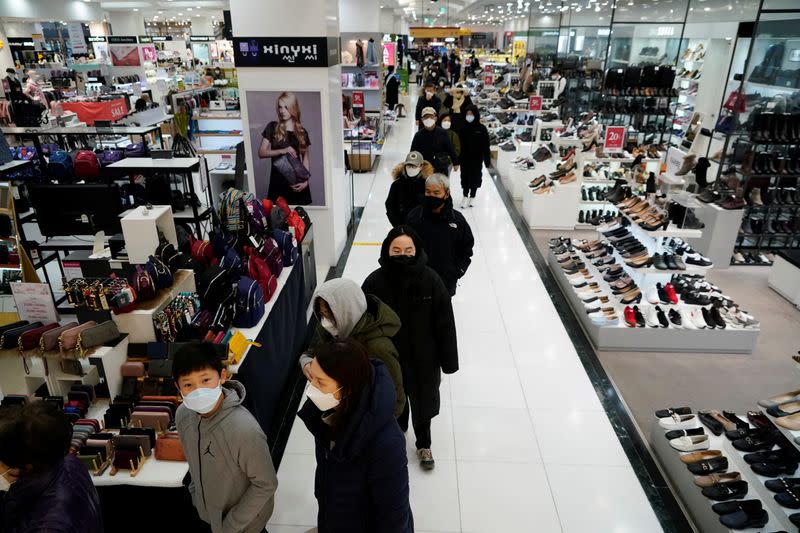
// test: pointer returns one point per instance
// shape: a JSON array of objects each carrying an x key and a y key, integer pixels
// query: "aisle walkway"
[{"x": 522, "y": 443}]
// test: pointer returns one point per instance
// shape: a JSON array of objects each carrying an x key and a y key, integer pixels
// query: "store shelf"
[
  {"x": 227, "y": 134},
  {"x": 675, "y": 232},
  {"x": 788, "y": 433},
  {"x": 215, "y": 117}
]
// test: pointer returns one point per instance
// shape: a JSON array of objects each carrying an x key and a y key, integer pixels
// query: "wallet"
[
  {"x": 168, "y": 447},
  {"x": 13, "y": 325},
  {"x": 30, "y": 339},
  {"x": 105, "y": 445},
  {"x": 49, "y": 339},
  {"x": 130, "y": 369},
  {"x": 160, "y": 368},
  {"x": 10, "y": 338},
  {"x": 96, "y": 336},
  {"x": 88, "y": 449},
  {"x": 155, "y": 403},
  {"x": 133, "y": 442},
  {"x": 69, "y": 338},
  {"x": 88, "y": 389},
  {"x": 157, "y": 421},
  {"x": 147, "y": 432},
  {"x": 90, "y": 460},
  {"x": 170, "y": 399},
  {"x": 127, "y": 459}
]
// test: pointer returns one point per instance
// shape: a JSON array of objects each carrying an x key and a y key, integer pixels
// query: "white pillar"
[
  {"x": 319, "y": 18},
  {"x": 126, "y": 23},
  {"x": 6, "y": 59},
  {"x": 359, "y": 16},
  {"x": 202, "y": 26}
]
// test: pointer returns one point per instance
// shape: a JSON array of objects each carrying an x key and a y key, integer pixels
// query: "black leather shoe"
[
  {"x": 669, "y": 259},
  {"x": 741, "y": 433},
  {"x": 711, "y": 466},
  {"x": 789, "y": 498},
  {"x": 662, "y": 294},
  {"x": 659, "y": 262},
  {"x": 735, "y": 419},
  {"x": 677, "y": 433},
  {"x": 770, "y": 456},
  {"x": 774, "y": 469},
  {"x": 666, "y": 413},
  {"x": 709, "y": 320},
  {"x": 711, "y": 423},
  {"x": 752, "y": 444},
  {"x": 751, "y": 515},
  {"x": 721, "y": 492},
  {"x": 732, "y": 507}
]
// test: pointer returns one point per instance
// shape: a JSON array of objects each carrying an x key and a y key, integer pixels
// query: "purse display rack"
[{"x": 172, "y": 324}]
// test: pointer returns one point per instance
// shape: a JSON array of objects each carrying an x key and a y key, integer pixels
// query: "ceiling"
[{"x": 160, "y": 10}]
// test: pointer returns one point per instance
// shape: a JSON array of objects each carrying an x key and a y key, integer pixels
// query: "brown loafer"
[
  {"x": 695, "y": 457},
  {"x": 707, "y": 481}
]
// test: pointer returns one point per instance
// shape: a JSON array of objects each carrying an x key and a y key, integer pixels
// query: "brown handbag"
[
  {"x": 69, "y": 338},
  {"x": 168, "y": 447},
  {"x": 157, "y": 421},
  {"x": 49, "y": 340}
]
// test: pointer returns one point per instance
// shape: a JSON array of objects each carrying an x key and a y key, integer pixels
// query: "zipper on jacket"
[{"x": 200, "y": 463}]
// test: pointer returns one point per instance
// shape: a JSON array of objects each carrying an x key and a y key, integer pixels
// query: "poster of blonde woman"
[{"x": 286, "y": 143}]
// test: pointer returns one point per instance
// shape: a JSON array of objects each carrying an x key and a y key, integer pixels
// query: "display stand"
[
  {"x": 719, "y": 233},
  {"x": 784, "y": 276},
  {"x": 142, "y": 228}
]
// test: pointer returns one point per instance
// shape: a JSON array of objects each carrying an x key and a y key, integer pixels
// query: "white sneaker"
[
  {"x": 604, "y": 321},
  {"x": 471, "y": 201},
  {"x": 690, "y": 443},
  {"x": 697, "y": 319},
  {"x": 651, "y": 318},
  {"x": 686, "y": 319},
  {"x": 652, "y": 295},
  {"x": 464, "y": 203}
]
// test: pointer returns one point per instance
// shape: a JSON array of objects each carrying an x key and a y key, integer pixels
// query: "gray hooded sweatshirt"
[{"x": 233, "y": 479}]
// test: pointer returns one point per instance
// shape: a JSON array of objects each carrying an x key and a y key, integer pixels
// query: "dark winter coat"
[
  {"x": 457, "y": 116},
  {"x": 405, "y": 193},
  {"x": 423, "y": 102},
  {"x": 447, "y": 239},
  {"x": 61, "y": 500},
  {"x": 432, "y": 143},
  {"x": 392, "y": 91},
  {"x": 426, "y": 341},
  {"x": 475, "y": 151},
  {"x": 361, "y": 483}
]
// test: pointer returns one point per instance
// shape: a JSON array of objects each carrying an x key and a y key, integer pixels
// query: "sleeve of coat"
[
  {"x": 465, "y": 244},
  {"x": 451, "y": 150},
  {"x": 391, "y": 207},
  {"x": 418, "y": 111},
  {"x": 388, "y": 486},
  {"x": 487, "y": 152},
  {"x": 445, "y": 327},
  {"x": 415, "y": 144},
  {"x": 456, "y": 144}
]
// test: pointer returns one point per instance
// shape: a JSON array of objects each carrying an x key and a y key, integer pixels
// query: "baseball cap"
[
  {"x": 414, "y": 158},
  {"x": 428, "y": 111}
]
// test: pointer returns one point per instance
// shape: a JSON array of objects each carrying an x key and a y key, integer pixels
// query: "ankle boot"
[
  {"x": 755, "y": 196},
  {"x": 688, "y": 164}
]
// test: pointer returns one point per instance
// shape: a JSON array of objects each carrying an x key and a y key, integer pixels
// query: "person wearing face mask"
[
  {"x": 428, "y": 98},
  {"x": 345, "y": 311},
  {"x": 43, "y": 488},
  {"x": 476, "y": 153},
  {"x": 457, "y": 102},
  {"x": 446, "y": 122},
  {"x": 233, "y": 480},
  {"x": 561, "y": 83},
  {"x": 446, "y": 237},
  {"x": 426, "y": 341},
  {"x": 408, "y": 187},
  {"x": 434, "y": 144},
  {"x": 361, "y": 481}
]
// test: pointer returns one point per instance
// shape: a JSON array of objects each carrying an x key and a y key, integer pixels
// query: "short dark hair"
[
  {"x": 193, "y": 357},
  {"x": 36, "y": 434},
  {"x": 390, "y": 68},
  {"x": 11, "y": 71},
  {"x": 25, "y": 78},
  {"x": 430, "y": 84}
]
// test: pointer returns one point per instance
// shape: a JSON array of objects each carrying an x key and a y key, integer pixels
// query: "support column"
[
  {"x": 6, "y": 59},
  {"x": 202, "y": 26},
  {"x": 126, "y": 23},
  {"x": 359, "y": 16},
  {"x": 317, "y": 91}
]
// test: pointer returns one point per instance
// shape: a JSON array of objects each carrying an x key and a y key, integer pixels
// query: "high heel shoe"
[
  {"x": 592, "y": 144},
  {"x": 632, "y": 297}
]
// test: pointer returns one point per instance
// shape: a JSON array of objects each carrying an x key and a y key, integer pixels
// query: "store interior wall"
[
  {"x": 66, "y": 10},
  {"x": 126, "y": 23}
]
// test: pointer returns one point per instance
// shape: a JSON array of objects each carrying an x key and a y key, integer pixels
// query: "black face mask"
[
  {"x": 402, "y": 261},
  {"x": 431, "y": 203}
]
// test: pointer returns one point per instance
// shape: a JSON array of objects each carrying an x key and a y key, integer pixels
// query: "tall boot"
[{"x": 764, "y": 128}]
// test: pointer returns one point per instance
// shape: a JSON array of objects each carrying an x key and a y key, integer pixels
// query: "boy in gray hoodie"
[{"x": 233, "y": 480}]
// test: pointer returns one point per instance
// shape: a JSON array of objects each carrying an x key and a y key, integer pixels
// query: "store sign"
[
  {"x": 96, "y": 39},
  {"x": 76, "y": 40},
  {"x": 487, "y": 68},
  {"x": 201, "y": 38},
  {"x": 21, "y": 43},
  {"x": 286, "y": 51},
  {"x": 427, "y": 32},
  {"x": 535, "y": 103},
  {"x": 122, "y": 39},
  {"x": 615, "y": 139},
  {"x": 389, "y": 53},
  {"x": 145, "y": 39},
  {"x": 34, "y": 302},
  {"x": 358, "y": 98},
  {"x": 674, "y": 160},
  {"x": 161, "y": 38},
  {"x": 488, "y": 80}
]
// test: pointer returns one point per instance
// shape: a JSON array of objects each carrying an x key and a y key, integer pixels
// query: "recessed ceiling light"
[{"x": 136, "y": 9}]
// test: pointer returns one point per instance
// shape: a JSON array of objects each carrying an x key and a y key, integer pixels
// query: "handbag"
[
  {"x": 10, "y": 338},
  {"x": 160, "y": 368},
  {"x": 30, "y": 339},
  {"x": 168, "y": 447},
  {"x": 49, "y": 339},
  {"x": 146, "y": 432},
  {"x": 292, "y": 169},
  {"x": 157, "y": 421},
  {"x": 69, "y": 338}
]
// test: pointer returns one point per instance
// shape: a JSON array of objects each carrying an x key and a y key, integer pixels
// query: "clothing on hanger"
[
  {"x": 371, "y": 58},
  {"x": 359, "y": 53}
]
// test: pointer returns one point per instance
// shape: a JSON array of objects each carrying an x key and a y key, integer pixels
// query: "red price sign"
[
  {"x": 615, "y": 139},
  {"x": 535, "y": 103},
  {"x": 358, "y": 98},
  {"x": 487, "y": 68},
  {"x": 488, "y": 80}
]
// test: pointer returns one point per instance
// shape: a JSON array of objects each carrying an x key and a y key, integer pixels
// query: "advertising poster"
[
  {"x": 149, "y": 53},
  {"x": 286, "y": 145},
  {"x": 124, "y": 55}
]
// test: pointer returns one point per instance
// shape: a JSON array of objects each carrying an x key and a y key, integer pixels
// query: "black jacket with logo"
[{"x": 448, "y": 241}]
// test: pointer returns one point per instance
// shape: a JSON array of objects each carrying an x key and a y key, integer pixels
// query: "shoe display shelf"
[
  {"x": 681, "y": 482},
  {"x": 719, "y": 232},
  {"x": 687, "y": 83},
  {"x": 554, "y": 209},
  {"x": 784, "y": 275}
]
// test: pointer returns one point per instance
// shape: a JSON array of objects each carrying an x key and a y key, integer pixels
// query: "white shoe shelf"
[{"x": 698, "y": 506}]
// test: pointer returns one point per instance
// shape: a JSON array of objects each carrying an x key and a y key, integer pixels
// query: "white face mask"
[
  {"x": 4, "y": 483},
  {"x": 202, "y": 400},
  {"x": 470, "y": 118},
  {"x": 429, "y": 122},
  {"x": 412, "y": 171},
  {"x": 324, "y": 401},
  {"x": 329, "y": 325},
  {"x": 446, "y": 124},
  {"x": 429, "y": 94}
]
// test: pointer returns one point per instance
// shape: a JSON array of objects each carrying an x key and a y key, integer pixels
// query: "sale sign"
[
  {"x": 358, "y": 98},
  {"x": 487, "y": 68},
  {"x": 535, "y": 103},
  {"x": 488, "y": 80},
  {"x": 615, "y": 139}
]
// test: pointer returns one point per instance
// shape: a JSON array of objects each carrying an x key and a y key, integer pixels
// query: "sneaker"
[
  {"x": 471, "y": 202},
  {"x": 426, "y": 459},
  {"x": 464, "y": 203}
]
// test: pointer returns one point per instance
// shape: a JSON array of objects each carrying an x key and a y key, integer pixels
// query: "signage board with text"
[
  {"x": 286, "y": 51},
  {"x": 615, "y": 139}
]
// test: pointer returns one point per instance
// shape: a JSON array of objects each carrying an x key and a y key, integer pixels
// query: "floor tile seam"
[{"x": 505, "y": 213}]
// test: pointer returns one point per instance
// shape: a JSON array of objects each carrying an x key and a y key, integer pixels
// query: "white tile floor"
[{"x": 522, "y": 443}]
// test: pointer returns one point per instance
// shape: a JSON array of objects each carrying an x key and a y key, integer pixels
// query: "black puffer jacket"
[
  {"x": 426, "y": 341},
  {"x": 406, "y": 192},
  {"x": 447, "y": 239}
]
